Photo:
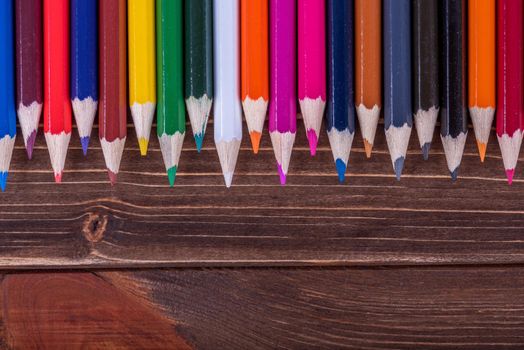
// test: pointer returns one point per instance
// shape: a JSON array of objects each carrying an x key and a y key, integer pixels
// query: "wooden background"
[{"x": 371, "y": 264}]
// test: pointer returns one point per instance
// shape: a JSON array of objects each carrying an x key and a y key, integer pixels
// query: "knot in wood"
[{"x": 94, "y": 227}]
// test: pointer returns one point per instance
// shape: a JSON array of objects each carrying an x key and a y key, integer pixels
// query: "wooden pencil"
[
  {"x": 425, "y": 70},
  {"x": 29, "y": 73},
  {"x": 254, "y": 53},
  {"x": 84, "y": 66},
  {"x": 453, "y": 112},
  {"x": 228, "y": 108},
  {"x": 340, "y": 113},
  {"x": 509, "y": 82},
  {"x": 368, "y": 68},
  {"x": 481, "y": 69},
  {"x": 142, "y": 67},
  {"x": 198, "y": 64},
  {"x": 57, "y": 102},
  {"x": 113, "y": 83},
  {"x": 398, "y": 119},
  {"x": 171, "y": 109},
  {"x": 7, "y": 89},
  {"x": 283, "y": 96},
  {"x": 312, "y": 67}
]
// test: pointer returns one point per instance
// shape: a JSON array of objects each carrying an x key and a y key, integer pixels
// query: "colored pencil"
[
  {"x": 255, "y": 65},
  {"x": 171, "y": 110},
  {"x": 425, "y": 70},
  {"x": 29, "y": 73},
  {"x": 142, "y": 68},
  {"x": 453, "y": 108},
  {"x": 57, "y": 103},
  {"x": 198, "y": 64},
  {"x": 283, "y": 97},
  {"x": 340, "y": 113},
  {"x": 481, "y": 69},
  {"x": 228, "y": 108},
  {"x": 312, "y": 66},
  {"x": 84, "y": 66},
  {"x": 368, "y": 66},
  {"x": 7, "y": 89},
  {"x": 398, "y": 118},
  {"x": 509, "y": 82},
  {"x": 113, "y": 83}
]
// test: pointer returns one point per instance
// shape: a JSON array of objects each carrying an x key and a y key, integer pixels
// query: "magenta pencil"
[
  {"x": 312, "y": 66},
  {"x": 282, "y": 100}
]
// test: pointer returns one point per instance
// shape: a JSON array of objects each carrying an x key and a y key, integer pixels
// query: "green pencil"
[
  {"x": 198, "y": 50},
  {"x": 171, "y": 110}
]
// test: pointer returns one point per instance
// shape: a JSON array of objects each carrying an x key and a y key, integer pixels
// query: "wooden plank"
[
  {"x": 287, "y": 308},
  {"x": 370, "y": 220}
]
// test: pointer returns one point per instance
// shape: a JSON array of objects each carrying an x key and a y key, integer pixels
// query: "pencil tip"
[
  {"x": 482, "y": 150},
  {"x": 171, "y": 175},
  {"x": 3, "y": 180},
  {"x": 85, "y": 144},
  {"x": 368, "y": 147},
  {"x": 399, "y": 166},
  {"x": 425, "y": 150},
  {"x": 313, "y": 140},
  {"x": 255, "y": 140},
  {"x": 58, "y": 178},
  {"x": 281, "y": 174},
  {"x": 228, "y": 178},
  {"x": 199, "y": 139},
  {"x": 30, "y": 144},
  {"x": 509, "y": 175},
  {"x": 112, "y": 177},
  {"x": 341, "y": 170},
  {"x": 454, "y": 174},
  {"x": 143, "y": 143}
]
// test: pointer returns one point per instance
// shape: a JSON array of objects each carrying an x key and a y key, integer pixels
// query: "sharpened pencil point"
[
  {"x": 368, "y": 147},
  {"x": 482, "y": 150},
  {"x": 199, "y": 139},
  {"x": 399, "y": 165},
  {"x": 58, "y": 178},
  {"x": 454, "y": 174},
  {"x": 313, "y": 140},
  {"x": 30, "y": 144},
  {"x": 341, "y": 170},
  {"x": 143, "y": 143},
  {"x": 425, "y": 150},
  {"x": 3, "y": 180},
  {"x": 281, "y": 174},
  {"x": 112, "y": 177},
  {"x": 85, "y": 144},
  {"x": 509, "y": 175},
  {"x": 171, "y": 175},
  {"x": 255, "y": 140},
  {"x": 228, "y": 179}
]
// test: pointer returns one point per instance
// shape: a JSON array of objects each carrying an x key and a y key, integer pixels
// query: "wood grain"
[{"x": 371, "y": 220}]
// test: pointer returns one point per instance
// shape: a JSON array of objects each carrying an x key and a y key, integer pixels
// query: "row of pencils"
[{"x": 341, "y": 60}]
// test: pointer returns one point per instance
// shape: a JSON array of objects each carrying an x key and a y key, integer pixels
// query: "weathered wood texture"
[
  {"x": 308, "y": 308},
  {"x": 371, "y": 220}
]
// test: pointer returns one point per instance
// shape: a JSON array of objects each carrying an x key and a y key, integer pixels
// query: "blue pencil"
[
  {"x": 7, "y": 89},
  {"x": 398, "y": 118},
  {"x": 340, "y": 115},
  {"x": 84, "y": 66}
]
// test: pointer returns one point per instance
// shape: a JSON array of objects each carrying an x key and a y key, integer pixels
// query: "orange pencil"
[
  {"x": 255, "y": 67},
  {"x": 481, "y": 65}
]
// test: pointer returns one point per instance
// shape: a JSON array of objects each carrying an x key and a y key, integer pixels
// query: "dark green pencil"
[{"x": 198, "y": 64}]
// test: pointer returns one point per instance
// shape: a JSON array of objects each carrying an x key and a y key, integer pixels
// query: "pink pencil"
[
  {"x": 283, "y": 97},
  {"x": 312, "y": 66}
]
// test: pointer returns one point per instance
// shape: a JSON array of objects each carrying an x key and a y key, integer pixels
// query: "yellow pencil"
[{"x": 142, "y": 67}]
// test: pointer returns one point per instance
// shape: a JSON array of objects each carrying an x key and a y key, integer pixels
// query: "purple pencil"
[{"x": 283, "y": 97}]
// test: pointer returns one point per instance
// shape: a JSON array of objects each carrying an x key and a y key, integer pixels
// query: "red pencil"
[{"x": 57, "y": 103}]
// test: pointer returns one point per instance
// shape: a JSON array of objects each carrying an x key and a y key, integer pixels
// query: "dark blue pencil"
[
  {"x": 84, "y": 66},
  {"x": 398, "y": 119},
  {"x": 7, "y": 89},
  {"x": 340, "y": 115}
]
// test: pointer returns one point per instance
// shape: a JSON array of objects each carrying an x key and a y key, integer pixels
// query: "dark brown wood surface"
[{"x": 370, "y": 220}]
